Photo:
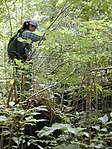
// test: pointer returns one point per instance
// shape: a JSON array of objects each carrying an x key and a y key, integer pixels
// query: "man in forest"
[
  {"x": 29, "y": 27},
  {"x": 21, "y": 50}
]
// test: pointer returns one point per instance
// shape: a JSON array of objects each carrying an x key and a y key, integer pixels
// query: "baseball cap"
[{"x": 33, "y": 22}]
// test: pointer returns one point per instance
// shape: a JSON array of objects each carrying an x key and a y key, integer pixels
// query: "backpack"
[{"x": 12, "y": 47}]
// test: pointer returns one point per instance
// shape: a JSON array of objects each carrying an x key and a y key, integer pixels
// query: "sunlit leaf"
[
  {"x": 104, "y": 119},
  {"x": 99, "y": 146},
  {"x": 70, "y": 146},
  {"x": 96, "y": 127},
  {"x": 3, "y": 118},
  {"x": 41, "y": 120},
  {"x": 98, "y": 87},
  {"x": 11, "y": 81},
  {"x": 111, "y": 114},
  {"x": 108, "y": 123},
  {"x": 11, "y": 103},
  {"x": 16, "y": 140},
  {"x": 104, "y": 129},
  {"x": 86, "y": 134},
  {"x": 59, "y": 2},
  {"x": 65, "y": 127},
  {"x": 20, "y": 39}
]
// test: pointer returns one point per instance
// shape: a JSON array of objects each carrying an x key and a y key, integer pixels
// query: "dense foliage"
[{"x": 70, "y": 103}]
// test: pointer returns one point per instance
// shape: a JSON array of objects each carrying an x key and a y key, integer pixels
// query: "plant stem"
[
  {"x": 10, "y": 138},
  {"x": 88, "y": 103}
]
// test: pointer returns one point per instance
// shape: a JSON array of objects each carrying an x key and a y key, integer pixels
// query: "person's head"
[{"x": 30, "y": 25}]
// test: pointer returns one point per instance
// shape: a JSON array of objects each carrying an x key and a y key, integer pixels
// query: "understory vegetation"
[{"x": 69, "y": 104}]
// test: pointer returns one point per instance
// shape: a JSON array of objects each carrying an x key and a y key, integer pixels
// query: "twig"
[
  {"x": 105, "y": 68},
  {"x": 62, "y": 10},
  {"x": 10, "y": 93},
  {"x": 50, "y": 86},
  {"x": 57, "y": 67},
  {"x": 22, "y": 12},
  {"x": 9, "y": 15},
  {"x": 43, "y": 60}
]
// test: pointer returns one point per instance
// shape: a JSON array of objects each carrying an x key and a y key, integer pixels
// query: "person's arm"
[{"x": 30, "y": 35}]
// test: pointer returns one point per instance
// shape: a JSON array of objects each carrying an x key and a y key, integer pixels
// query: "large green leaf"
[
  {"x": 3, "y": 118},
  {"x": 67, "y": 147},
  {"x": 56, "y": 126},
  {"x": 104, "y": 119}
]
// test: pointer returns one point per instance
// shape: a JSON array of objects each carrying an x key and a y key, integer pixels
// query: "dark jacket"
[{"x": 24, "y": 48}]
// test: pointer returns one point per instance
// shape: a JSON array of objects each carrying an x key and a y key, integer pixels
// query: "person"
[{"x": 24, "y": 49}]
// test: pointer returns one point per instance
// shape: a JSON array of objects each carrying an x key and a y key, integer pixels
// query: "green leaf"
[
  {"x": 41, "y": 120},
  {"x": 16, "y": 140},
  {"x": 99, "y": 146},
  {"x": 41, "y": 108},
  {"x": 11, "y": 81},
  {"x": 70, "y": 146},
  {"x": 59, "y": 2},
  {"x": 19, "y": 63},
  {"x": 104, "y": 129},
  {"x": 111, "y": 114},
  {"x": 35, "y": 113},
  {"x": 98, "y": 87},
  {"x": 108, "y": 123},
  {"x": 11, "y": 103},
  {"x": 3, "y": 118},
  {"x": 65, "y": 127},
  {"x": 48, "y": 130},
  {"x": 86, "y": 134},
  {"x": 20, "y": 39},
  {"x": 104, "y": 119},
  {"x": 96, "y": 127}
]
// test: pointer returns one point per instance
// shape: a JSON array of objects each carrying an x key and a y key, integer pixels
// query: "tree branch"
[
  {"x": 50, "y": 86},
  {"x": 97, "y": 69},
  {"x": 57, "y": 67},
  {"x": 62, "y": 10}
]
